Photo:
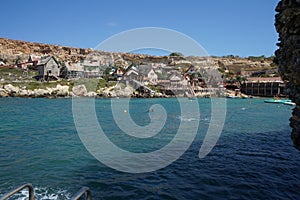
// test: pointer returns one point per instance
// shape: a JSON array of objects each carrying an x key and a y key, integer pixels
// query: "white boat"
[
  {"x": 289, "y": 103},
  {"x": 232, "y": 97}
]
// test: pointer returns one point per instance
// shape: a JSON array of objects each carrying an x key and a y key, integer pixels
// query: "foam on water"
[
  {"x": 188, "y": 119},
  {"x": 43, "y": 193}
]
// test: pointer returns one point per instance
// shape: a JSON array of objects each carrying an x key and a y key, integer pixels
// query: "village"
[{"x": 117, "y": 77}]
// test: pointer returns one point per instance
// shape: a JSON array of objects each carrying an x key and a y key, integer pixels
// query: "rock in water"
[
  {"x": 3, "y": 93},
  {"x": 288, "y": 56}
]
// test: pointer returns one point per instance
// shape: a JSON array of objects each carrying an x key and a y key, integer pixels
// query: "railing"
[
  {"x": 20, "y": 188},
  {"x": 83, "y": 191}
]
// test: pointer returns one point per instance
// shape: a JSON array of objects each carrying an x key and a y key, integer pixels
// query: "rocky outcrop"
[
  {"x": 61, "y": 90},
  {"x": 3, "y": 93},
  {"x": 119, "y": 90},
  {"x": 122, "y": 91},
  {"x": 288, "y": 56},
  {"x": 10, "y": 50},
  {"x": 14, "y": 91},
  {"x": 79, "y": 90}
]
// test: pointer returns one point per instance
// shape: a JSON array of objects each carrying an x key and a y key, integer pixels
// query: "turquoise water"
[{"x": 253, "y": 159}]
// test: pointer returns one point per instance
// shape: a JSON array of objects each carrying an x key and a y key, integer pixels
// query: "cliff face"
[
  {"x": 11, "y": 50},
  {"x": 288, "y": 56}
]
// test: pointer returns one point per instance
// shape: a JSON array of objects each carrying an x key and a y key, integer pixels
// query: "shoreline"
[{"x": 80, "y": 91}]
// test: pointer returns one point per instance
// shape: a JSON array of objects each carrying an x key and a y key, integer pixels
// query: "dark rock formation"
[{"x": 288, "y": 56}]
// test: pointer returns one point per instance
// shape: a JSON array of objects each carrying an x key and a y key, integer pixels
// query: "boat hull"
[{"x": 282, "y": 101}]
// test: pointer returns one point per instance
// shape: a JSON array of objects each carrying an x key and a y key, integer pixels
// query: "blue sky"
[{"x": 222, "y": 27}]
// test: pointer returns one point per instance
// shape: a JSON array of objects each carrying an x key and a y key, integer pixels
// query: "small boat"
[
  {"x": 275, "y": 100},
  {"x": 241, "y": 96},
  {"x": 236, "y": 94},
  {"x": 231, "y": 96}
]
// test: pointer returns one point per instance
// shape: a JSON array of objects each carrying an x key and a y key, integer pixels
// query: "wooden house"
[
  {"x": 74, "y": 70},
  {"x": 143, "y": 73},
  {"x": 148, "y": 73},
  {"x": 152, "y": 76},
  {"x": 48, "y": 68},
  {"x": 132, "y": 73},
  {"x": 175, "y": 80},
  {"x": 264, "y": 86},
  {"x": 32, "y": 61},
  {"x": 118, "y": 73},
  {"x": 92, "y": 68}
]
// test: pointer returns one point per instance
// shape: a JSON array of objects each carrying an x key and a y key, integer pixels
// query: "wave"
[{"x": 188, "y": 119}]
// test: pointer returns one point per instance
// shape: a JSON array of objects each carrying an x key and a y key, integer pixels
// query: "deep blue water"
[{"x": 253, "y": 159}]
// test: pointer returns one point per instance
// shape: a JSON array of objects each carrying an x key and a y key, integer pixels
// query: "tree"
[
  {"x": 241, "y": 79},
  {"x": 63, "y": 72},
  {"x": 176, "y": 54},
  {"x": 161, "y": 76},
  {"x": 18, "y": 60}
]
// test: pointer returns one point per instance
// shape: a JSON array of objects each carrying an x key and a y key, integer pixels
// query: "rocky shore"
[
  {"x": 65, "y": 91},
  {"x": 288, "y": 56},
  {"x": 14, "y": 91}
]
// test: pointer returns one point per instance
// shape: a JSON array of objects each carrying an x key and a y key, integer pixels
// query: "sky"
[{"x": 223, "y": 27}]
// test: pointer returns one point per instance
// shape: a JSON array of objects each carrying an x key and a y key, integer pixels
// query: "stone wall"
[{"x": 288, "y": 56}]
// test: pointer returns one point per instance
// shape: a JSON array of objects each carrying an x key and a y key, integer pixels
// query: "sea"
[{"x": 251, "y": 158}]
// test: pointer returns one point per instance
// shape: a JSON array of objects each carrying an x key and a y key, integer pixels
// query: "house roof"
[
  {"x": 264, "y": 79},
  {"x": 92, "y": 63},
  {"x": 174, "y": 77},
  {"x": 45, "y": 60},
  {"x": 74, "y": 66},
  {"x": 144, "y": 69},
  {"x": 131, "y": 72}
]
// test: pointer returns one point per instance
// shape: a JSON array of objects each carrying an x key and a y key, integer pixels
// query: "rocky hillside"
[{"x": 12, "y": 51}]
